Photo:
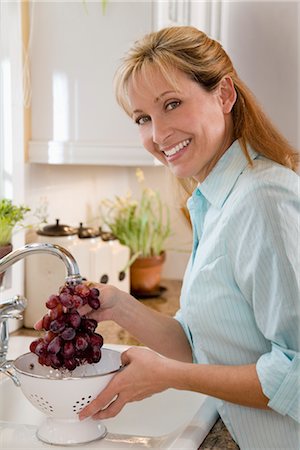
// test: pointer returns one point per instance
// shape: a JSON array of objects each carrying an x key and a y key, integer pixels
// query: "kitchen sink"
[{"x": 171, "y": 420}]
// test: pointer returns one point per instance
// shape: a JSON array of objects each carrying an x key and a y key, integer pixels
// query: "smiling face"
[{"x": 186, "y": 128}]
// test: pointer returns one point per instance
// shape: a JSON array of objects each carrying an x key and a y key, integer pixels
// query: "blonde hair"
[{"x": 205, "y": 61}]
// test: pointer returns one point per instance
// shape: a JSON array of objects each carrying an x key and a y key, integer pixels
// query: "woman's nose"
[{"x": 161, "y": 130}]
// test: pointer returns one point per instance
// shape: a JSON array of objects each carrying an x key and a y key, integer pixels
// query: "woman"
[{"x": 236, "y": 335}]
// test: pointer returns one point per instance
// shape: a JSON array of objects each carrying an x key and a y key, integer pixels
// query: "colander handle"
[{"x": 8, "y": 370}]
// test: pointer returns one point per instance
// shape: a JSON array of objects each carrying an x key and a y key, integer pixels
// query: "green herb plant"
[
  {"x": 143, "y": 225},
  {"x": 10, "y": 216}
]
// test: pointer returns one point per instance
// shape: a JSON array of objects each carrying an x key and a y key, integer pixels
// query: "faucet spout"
[
  {"x": 14, "y": 307},
  {"x": 73, "y": 275}
]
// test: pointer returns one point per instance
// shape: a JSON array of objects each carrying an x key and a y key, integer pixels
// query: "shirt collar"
[{"x": 220, "y": 181}]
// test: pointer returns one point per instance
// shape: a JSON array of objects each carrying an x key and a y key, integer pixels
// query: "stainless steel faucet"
[{"x": 14, "y": 307}]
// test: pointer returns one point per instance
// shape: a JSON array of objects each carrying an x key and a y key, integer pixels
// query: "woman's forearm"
[
  {"x": 235, "y": 384},
  {"x": 155, "y": 330}
]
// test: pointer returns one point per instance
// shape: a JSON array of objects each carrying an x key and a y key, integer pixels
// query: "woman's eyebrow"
[
  {"x": 162, "y": 95},
  {"x": 157, "y": 99}
]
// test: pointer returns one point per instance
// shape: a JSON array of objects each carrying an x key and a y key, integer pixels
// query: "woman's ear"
[{"x": 227, "y": 94}]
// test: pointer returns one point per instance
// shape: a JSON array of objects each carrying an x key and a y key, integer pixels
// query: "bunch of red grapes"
[{"x": 70, "y": 339}]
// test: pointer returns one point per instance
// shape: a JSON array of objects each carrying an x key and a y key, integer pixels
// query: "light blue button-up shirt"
[{"x": 240, "y": 301}]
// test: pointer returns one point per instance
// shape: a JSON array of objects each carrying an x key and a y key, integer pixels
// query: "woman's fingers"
[
  {"x": 111, "y": 410},
  {"x": 100, "y": 402},
  {"x": 38, "y": 325}
]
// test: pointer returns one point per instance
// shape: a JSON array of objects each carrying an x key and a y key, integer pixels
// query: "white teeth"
[{"x": 177, "y": 148}]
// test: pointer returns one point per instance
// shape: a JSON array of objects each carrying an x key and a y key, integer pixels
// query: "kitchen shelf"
[{"x": 89, "y": 153}]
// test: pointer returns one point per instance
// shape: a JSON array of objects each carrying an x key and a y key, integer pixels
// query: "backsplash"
[{"x": 73, "y": 194}]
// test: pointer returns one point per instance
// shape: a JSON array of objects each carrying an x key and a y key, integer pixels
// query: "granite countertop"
[{"x": 167, "y": 303}]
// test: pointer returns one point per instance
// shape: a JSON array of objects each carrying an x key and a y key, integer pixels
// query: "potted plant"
[
  {"x": 11, "y": 216},
  {"x": 144, "y": 226}
]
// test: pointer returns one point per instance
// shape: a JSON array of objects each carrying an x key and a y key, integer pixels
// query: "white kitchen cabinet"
[
  {"x": 74, "y": 52},
  {"x": 202, "y": 14}
]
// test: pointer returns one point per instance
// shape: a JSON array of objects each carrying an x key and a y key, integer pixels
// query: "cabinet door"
[
  {"x": 172, "y": 13},
  {"x": 75, "y": 50},
  {"x": 202, "y": 14}
]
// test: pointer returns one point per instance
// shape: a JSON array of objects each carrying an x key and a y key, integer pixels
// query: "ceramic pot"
[
  {"x": 4, "y": 250},
  {"x": 145, "y": 274}
]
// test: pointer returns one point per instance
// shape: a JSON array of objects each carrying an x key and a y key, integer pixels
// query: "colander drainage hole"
[
  {"x": 81, "y": 403},
  {"x": 42, "y": 403}
]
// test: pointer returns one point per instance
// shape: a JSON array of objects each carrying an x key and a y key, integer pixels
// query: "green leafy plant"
[
  {"x": 14, "y": 218},
  {"x": 10, "y": 216},
  {"x": 143, "y": 225}
]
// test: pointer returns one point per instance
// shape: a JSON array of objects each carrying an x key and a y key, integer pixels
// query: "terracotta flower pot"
[
  {"x": 145, "y": 274},
  {"x": 4, "y": 250}
]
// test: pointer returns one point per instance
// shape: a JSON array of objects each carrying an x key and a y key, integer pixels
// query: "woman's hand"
[
  {"x": 142, "y": 376},
  {"x": 110, "y": 304}
]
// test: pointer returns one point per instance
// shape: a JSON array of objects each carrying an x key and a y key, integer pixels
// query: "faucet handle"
[
  {"x": 9, "y": 309},
  {"x": 12, "y": 307},
  {"x": 17, "y": 316}
]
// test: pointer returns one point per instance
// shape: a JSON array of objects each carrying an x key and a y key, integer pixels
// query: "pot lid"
[
  {"x": 57, "y": 229},
  {"x": 107, "y": 236},
  {"x": 87, "y": 232}
]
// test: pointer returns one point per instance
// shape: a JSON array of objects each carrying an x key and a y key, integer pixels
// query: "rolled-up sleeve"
[
  {"x": 279, "y": 375},
  {"x": 179, "y": 317}
]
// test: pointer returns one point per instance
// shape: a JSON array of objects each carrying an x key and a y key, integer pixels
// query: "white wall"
[{"x": 263, "y": 41}]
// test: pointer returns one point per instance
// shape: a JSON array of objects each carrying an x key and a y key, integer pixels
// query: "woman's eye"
[
  {"x": 142, "y": 119},
  {"x": 172, "y": 105}
]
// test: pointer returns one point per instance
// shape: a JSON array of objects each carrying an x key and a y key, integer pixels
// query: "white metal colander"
[{"x": 61, "y": 395}]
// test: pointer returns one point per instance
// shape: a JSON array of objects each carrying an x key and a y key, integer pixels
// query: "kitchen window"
[{"x": 11, "y": 129}]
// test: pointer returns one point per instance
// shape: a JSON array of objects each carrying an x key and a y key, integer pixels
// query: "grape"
[
  {"x": 94, "y": 302},
  {"x": 70, "y": 339},
  {"x": 96, "y": 340},
  {"x": 94, "y": 292},
  {"x": 70, "y": 363},
  {"x": 96, "y": 354},
  {"x": 46, "y": 322},
  {"x": 68, "y": 334},
  {"x": 88, "y": 324},
  {"x": 48, "y": 360},
  {"x": 57, "y": 326},
  {"x": 52, "y": 301},
  {"x": 56, "y": 312},
  {"x": 81, "y": 342},
  {"x": 68, "y": 349},
  {"x": 56, "y": 361},
  {"x": 42, "y": 360},
  {"x": 66, "y": 289},
  {"x": 54, "y": 346},
  {"x": 41, "y": 348},
  {"x": 82, "y": 290},
  {"x": 67, "y": 300},
  {"x": 49, "y": 336},
  {"x": 34, "y": 344},
  {"x": 74, "y": 319},
  {"x": 78, "y": 301}
]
